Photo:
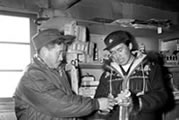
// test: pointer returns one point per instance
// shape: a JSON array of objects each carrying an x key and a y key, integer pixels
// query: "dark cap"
[
  {"x": 117, "y": 37},
  {"x": 44, "y": 37}
]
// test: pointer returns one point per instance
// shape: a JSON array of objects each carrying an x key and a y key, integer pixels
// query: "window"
[{"x": 15, "y": 51}]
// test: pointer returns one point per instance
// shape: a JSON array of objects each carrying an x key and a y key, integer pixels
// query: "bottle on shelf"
[{"x": 96, "y": 54}]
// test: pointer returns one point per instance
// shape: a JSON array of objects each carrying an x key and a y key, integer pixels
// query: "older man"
[{"x": 44, "y": 92}]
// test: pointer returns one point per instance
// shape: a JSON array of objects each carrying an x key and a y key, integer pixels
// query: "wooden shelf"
[
  {"x": 171, "y": 65},
  {"x": 97, "y": 27},
  {"x": 106, "y": 28},
  {"x": 97, "y": 65},
  {"x": 172, "y": 68},
  {"x": 94, "y": 65}
]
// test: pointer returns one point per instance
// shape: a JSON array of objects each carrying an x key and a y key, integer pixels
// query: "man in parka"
[
  {"x": 133, "y": 78},
  {"x": 44, "y": 92}
]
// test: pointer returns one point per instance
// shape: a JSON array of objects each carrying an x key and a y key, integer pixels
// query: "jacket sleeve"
[
  {"x": 47, "y": 98},
  {"x": 102, "y": 89},
  {"x": 157, "y": 96}
]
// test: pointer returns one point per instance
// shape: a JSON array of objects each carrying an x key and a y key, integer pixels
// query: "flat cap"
[{"x": 44, "y": 37}]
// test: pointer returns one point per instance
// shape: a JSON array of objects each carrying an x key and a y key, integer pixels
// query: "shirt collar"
[{"x": 37, "y": 59}]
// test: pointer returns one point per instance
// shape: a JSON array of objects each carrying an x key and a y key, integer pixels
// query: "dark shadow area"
[{"x": 170, "y": 104}]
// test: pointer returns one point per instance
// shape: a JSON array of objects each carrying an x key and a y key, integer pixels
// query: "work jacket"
[
  {"x": 45, "y": 94},
  {"x": 144, "y": 80}
]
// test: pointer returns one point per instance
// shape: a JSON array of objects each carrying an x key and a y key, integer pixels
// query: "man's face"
[
  {"x": 54, "y": 56},
  {"x": 121, "y": 54}
]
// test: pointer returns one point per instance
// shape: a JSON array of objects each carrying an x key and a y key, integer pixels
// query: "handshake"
[{"x": 107, "y": 104}]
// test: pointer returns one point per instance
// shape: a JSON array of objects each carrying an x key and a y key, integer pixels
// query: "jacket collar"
[
  {"x": 136, "y": 63},
  {"x": 39, "y": 61}
]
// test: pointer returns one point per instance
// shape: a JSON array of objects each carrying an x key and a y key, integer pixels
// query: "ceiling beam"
[{"x": 171, "y": 5}]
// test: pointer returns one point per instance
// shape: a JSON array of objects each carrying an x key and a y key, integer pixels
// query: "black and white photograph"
[{"x": 89, "y": 60}]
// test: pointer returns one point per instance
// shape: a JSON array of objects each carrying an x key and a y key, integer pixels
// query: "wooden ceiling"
[{"x": 170, "y": 5}]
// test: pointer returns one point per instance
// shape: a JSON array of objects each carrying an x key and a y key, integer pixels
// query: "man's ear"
[
  {"x": 130, "y": 46},
  {"x": 44, "y": 51}
]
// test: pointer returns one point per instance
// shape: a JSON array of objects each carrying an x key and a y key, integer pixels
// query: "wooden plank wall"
[{"x": 7, "y": 111}]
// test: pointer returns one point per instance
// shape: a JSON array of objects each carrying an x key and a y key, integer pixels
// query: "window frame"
[{"x": 33, "y": 29}]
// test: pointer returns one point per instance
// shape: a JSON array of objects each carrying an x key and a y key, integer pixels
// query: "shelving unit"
[
  {"x": 98, "y": 27},
  {"x": 106, "y": 28}
]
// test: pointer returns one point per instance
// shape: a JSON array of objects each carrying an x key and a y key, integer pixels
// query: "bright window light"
[
  {"x": 9, "y": 82},
  {"x": 14, "y": 56},
  {"x": 14, "y": 51},
  {"x": 14, "y": 29}
]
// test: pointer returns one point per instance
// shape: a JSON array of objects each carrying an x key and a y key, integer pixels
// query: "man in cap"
[
  {"x": 133, "y": 78},
  {"x": 44, "y": 92}
]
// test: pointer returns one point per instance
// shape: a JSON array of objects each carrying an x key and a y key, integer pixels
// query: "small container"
[{"x": 88, "y": 77}]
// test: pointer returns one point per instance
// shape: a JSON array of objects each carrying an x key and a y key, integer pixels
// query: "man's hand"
[
  {"x": 106, "y": 104},
  {"x": 124, "y": 98}
]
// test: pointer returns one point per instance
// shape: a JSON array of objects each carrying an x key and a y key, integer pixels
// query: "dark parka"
[
  {"x": 45, "y": 94},
  {"x": 145, "y": 82}
]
